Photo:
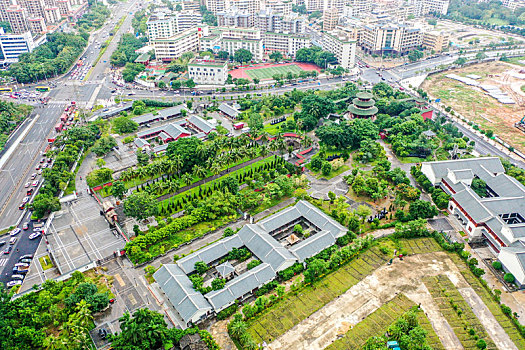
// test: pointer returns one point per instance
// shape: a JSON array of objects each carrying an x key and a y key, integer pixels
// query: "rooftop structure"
[
  {"x": 363, "y": 106},
  {"x": 267, "y": 242},
  {"x": 208, "y": 71},
  {"x": 497, "y": 217}
]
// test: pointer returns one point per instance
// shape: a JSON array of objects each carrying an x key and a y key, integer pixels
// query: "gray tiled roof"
[
  {"x": 172, "y": 111},
  {"x": 174, "y": 130},
  {"x": 200, "y": 123},
  {"x": 279, "y": 219},
  {"x": 240, "y": 286},
  {"x": 440, "y": 169},
  {"x": 469, "y": 201},
  {"x": 225, "y": 269},
  {"x": 189, "y": 303},
  {"x": 464, "y": 174},
  {"x": 229, "y": 110},
  {"x": 145, "y": 118},
  {"x": 265, "y": 247},
  {"x": 140, "y": 142},
  {"x": 210, "y": 253},
  {"x": 313, "y": 245}
]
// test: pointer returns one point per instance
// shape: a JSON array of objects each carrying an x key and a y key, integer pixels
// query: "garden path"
[{"x": 487, "y": 319}]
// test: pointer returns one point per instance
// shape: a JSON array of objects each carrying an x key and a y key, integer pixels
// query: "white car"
[
  {"x": 27, "y": 184},
  {"x": 15, "y": 232},
  {"x": 34, "y": 235},
  {"x": 25, "y": 200},
  {"x": 13, "y": 283},
  {"x": 35, "y": 183}
]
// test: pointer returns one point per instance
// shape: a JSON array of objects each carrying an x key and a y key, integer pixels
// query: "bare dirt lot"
[
  {"x": 475, "y": 105},
  {"x": 323, "y": 327}
]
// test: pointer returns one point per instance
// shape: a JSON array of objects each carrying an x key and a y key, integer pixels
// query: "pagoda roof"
[
  {"x": 362, "y": 111},
  {"x": 363, "y": 95},
  {"x": 363, "y": 103}
]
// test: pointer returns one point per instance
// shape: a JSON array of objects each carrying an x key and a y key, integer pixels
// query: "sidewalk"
[{"x": 214, "y": 236}]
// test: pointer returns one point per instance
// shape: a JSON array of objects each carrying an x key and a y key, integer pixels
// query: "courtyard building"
[{"x": 496, "y": 217}]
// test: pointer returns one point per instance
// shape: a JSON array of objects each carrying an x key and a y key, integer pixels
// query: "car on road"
[
  {"x": 35, "y": 183},
  {"x": 38, "y": 167},
  {"x": 39, "y": 171},
  {"x": 22, "y": 206},
  {"x": 35, "y": 235},
  {"x": 27, "y": 184},
  {"x": 42, "y": 160},
  {"x": 18, "y": 277},
  {"x": 2, "y": 243},
  {"x": 13, "y": 240},
  {"x": 33, "y": 176},
  {"x": 15, "y": 232},
  {"x": 30, "y": 191},
  {"x": 27, "y": 256},
  {"x": 8, "y": 249},
  {"x": 21, "y": 265},
  {"x": 11, "y": 284},
  {"x": 25, "y": 226},
  {"x": 25, "y": 200}
]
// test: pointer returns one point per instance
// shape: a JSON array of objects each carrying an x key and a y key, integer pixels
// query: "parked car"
[
  {"x": 27, "y": 256},
  {"x": 8, "y": 249},
  {"x": 17, "y": 277},
  {"x": 25, "y": 226},
  {"x": 13, "y": 283}
]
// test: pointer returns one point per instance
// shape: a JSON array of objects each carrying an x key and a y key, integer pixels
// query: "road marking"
[
  {"x": 11, "y": 149},
  {"x": 3, "y": 261}
]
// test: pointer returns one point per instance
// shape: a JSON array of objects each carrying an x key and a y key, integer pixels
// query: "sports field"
[{"x": 268, "y": 73}]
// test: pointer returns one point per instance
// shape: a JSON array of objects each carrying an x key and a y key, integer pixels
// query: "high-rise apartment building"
[
  {"x": 162, "y": 25},
  {"x": 423, "y": 7},
  {"x": 233, "y": 17},
  {"x": 342, "y": 46},
  {"x": 394, "y": 38},
  {"x": 173, "y": 47},
  {"x": 17, "y": 18},
  {"x": 278, "y": 6},
  {"x": 436, "y": 41},
  {"x": 330, "y": 18}
]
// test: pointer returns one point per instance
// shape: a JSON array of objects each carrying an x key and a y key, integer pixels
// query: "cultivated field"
[
  {"x": 475, "y": 105},
  {"x": 363, "y": 298}
]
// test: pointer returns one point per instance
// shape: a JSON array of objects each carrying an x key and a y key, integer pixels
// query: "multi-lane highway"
[{"x": 26, "y": 147}]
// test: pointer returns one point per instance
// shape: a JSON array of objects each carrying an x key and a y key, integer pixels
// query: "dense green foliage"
[
  {"x": 58, "y": 316},
  {"x": 49, "y": 59},
  {"x": 147, "y": 329},
  {"x": 315, "y": 55},
  {"x": 131, "y": 70},
  {"x": 242, "y": 56},
  {"x": 94, "y": 18},
  {"x": 125, "y": 51},
  {"x": 11, "y": 115},
  {"x": 485, "y": 12},
  {"x": 73, "y": 140}
]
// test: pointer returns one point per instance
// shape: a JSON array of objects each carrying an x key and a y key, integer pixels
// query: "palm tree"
[
  {"x": 264, "y": 150},
  {"x": 53, "y": 343},
  {"x": 173, "y": 186},
  {"x": 238, "y": 328},
  {"x": 215, "y": 168},
  {"x": 177, "y": 163},
  {"x": 306, "y": 141},
  {"x": 199, "y": 171},
  {"x": 83, "y": 315},
  {"x": 187, "y": 179}
]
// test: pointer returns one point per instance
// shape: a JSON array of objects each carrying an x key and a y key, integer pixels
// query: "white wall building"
[
  {"x": 208, "y": 71},
  {"x": 342, "y": 46},
  {"x": 13, "y": 45}
]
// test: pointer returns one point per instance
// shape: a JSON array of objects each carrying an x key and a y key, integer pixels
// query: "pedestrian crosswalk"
[{"x": 3, "y": 261}]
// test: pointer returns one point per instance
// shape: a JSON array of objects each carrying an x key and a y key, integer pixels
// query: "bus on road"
[
  {"x": 42, "y": 88},
  {"x": 6, "y": 89}
]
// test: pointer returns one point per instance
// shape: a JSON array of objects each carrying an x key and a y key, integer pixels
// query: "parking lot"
[{"x": 80, "y": 235}]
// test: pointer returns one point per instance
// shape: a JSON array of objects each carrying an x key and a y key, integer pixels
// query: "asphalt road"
[{"x": 26, "y": 156}]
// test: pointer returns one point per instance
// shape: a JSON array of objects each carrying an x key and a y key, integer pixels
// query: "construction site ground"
[
  {"x": 338, "y": 318},
  {"x": 476, "y": 105}
]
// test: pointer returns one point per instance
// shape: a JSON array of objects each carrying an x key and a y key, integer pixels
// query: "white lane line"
[
  {"x": 3, "y": 262},
  {"x": 11, "y": 149}
]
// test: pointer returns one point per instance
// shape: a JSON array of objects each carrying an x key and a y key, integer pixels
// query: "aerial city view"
[{"x": 273, "y": 174}]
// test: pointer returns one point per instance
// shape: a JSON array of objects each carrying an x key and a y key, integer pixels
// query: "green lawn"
[
  {"x": 268, "y": 73},
  {"x": 277, "y": 128},
  {"x": 45, "y": 262}
]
